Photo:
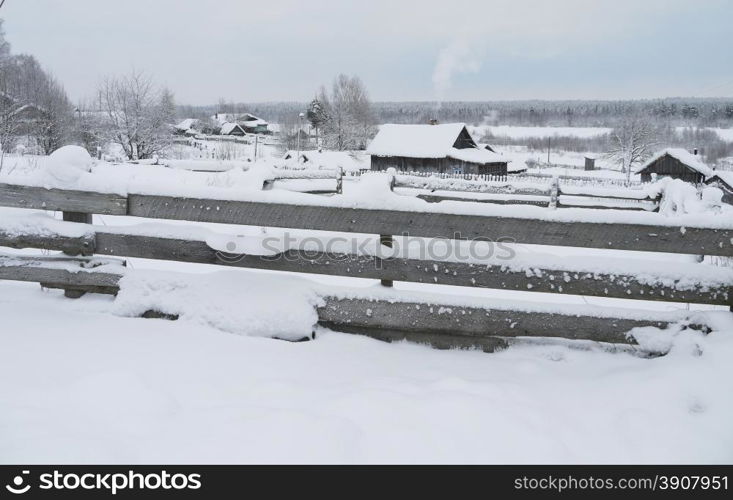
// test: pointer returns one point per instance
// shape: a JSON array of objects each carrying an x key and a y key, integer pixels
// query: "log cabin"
[
  {"x": 445, "y": 148},
  {"x": 675, "y": 163},
  {"x": 724, "y": 181}
]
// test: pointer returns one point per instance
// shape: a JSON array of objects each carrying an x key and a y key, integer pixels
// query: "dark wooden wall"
[
  {"x": 668, "y": 166},
  {"x": 442, "y": 165}
]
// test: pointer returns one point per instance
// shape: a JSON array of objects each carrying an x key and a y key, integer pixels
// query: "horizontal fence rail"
[
  {"x": 436, "y": 324},
  {"x": 483, "y": 327},
  {"x": 545, "y": 279},
  {"x": 621, "y": 236}
]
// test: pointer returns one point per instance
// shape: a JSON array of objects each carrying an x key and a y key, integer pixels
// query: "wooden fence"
[{"x": 392, "y": 317}]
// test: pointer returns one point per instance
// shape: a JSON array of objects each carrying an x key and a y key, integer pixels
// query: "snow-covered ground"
[
  {"x": 516, "y": 132},
  {"x": 81, "y": 385}
]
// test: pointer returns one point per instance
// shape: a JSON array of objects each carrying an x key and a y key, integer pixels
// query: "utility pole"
[
  {"x": 549, "y": 140},
  {"x": 300, "y": 122}
]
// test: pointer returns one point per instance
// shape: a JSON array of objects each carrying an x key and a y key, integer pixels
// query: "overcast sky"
[{"x": 282, "y": 50}]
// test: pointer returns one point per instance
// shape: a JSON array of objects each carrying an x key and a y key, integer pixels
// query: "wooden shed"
[
  {"x": 675, "y": 163},
  {"x": 446, "y": 148},
  {"x": 724, "y": 181}
]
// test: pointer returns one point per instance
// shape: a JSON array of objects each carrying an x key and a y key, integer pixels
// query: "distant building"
[
  {"x": 186, "y": 127},
  {"x": 677, "y": 164},
  {"x": 433, "y": 148},
  {"x": 724, "y": 181},
  {"x": 230, "y": 128},
  {"x": 250, "y": 123}
]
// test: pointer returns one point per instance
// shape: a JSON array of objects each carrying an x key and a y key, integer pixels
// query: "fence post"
[
  {"x": 340, "y": 181},
  {"x": 554, "y": 192},
  {"x": 82, "y": 218},
  {"x": 387, "y": 239}
]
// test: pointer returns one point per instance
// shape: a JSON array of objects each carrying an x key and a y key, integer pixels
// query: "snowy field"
[
  {"x": 516, "y": 132},
  {"x": 84, "y": 386}
]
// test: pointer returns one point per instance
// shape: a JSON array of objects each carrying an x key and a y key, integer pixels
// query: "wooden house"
[
  {"x": 445, "y": 148},
  {"x": 677, "y": 164},
  {"x": 230, "y": 128},
  {"x": 724, "y": 181}
]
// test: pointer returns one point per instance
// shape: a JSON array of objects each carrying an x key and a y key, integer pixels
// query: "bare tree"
[
  {"x": 33, "y": 105},
  {"x": 632, "y": 141},
  {"x": 350, "y": 121},
  {"x": 138, "y": 114}
]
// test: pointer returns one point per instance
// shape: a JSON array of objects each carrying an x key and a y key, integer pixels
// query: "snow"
[
  {"x": 68, "y": 164},
  {"x": 725, "y": 176},
  {"x": 186, "y": 124},
  {"x": 516, "y": 132},
  {"x": 84, "y": 386},
  {"x": 253, "y": 304},
  {"x": 236, "y": 185},
  {"x": 477, "y": 155},
  {"x": 228, "y": 128},
  {"x": 426, "y": 141},
  {"x": 350, "y": 162},
  {"x": 689, "y": 159}
]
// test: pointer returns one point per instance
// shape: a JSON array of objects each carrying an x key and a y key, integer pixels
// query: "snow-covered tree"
[
  {"x": 632, "y": 142},
  {"x": 350, "y": 121},
  {"x": 317, "y": 115},
  {"x": 138, "y": 114}
]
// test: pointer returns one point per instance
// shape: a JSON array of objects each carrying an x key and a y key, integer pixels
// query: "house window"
[{"x": 457, "y": 170}]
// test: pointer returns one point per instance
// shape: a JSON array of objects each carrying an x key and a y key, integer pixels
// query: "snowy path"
[{"x": 81, "y": 385}]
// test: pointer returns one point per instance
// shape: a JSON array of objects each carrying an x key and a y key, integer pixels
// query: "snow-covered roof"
[
  {"x": 227, "y": 128},
  {"x": 428, "y": 141},
  {"x": 186, "y": 124},
  {"x": 684, "y": 156},
  {"x": 476, "y": 155},
  {"x": 254, "y": 123},
  {"x": 724, "y": 175}
]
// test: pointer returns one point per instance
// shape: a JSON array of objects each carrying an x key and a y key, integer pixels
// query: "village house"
[
  {"x": 675, "y": 163},
  {"x": 724, "y": 181},
  {"x": 250, "y": 123},
  {"x": 231, "y": 128},
  {"x": 189, "y": 126},
  {"x": 433, "y": 148}
]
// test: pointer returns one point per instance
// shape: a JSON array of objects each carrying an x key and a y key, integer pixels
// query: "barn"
[
  {"x": 724, "y": 181},
  {"x": 446, "y": 148},
  {"x": 676, "y": 163}
]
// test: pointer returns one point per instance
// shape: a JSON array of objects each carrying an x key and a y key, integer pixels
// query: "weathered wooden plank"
[
  {"x": 12, "y": 195},
  {"x": 72, "y": 245},
  {"x": 625, "y": 286},
  {"x": 440, "y": 325},
  {"x": 432, "y": 198},
  {"x": 436, "y": 340},
  {"x": 639, "y": 237},
  {"x": 359, "y": 313},
  {"x": 51, "y": 274}
]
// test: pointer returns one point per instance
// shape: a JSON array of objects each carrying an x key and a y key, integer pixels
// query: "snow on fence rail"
[
  {"x": 528, "y": 193},
  {"x": 392, "y": 316}
]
